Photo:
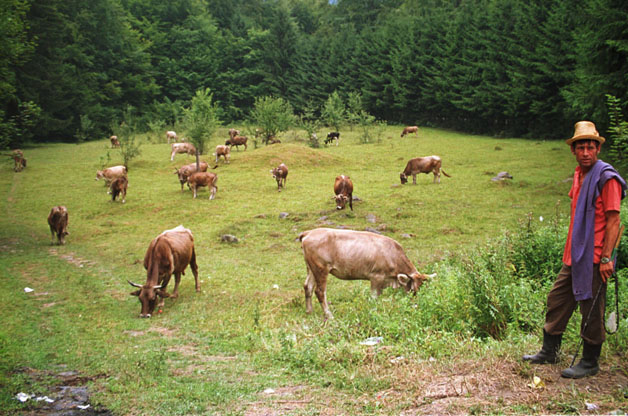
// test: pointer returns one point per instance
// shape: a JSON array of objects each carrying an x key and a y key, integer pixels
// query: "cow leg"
[
  {"x": 194, "y": 268},
  {"x": 351, "y": 201},
  {"x": 436, "y": 176},
  {"x": 320, "y": 277},
  {"x": 124, "y": 195},
  {"x": 172, "y": 156},
  {"x": 177, "y": 280},
  {"x": 194, "y": 189},
  {"x": 52, "y": 235},
  {"x": 414, "y": 179},
  {"x": 212, "y": 194},
  {"x": 375, "y": 289},
  {"x": 308, "y": 288}
]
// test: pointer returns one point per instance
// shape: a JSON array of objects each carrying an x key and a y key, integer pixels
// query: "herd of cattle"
[{"x": 346, "y": 254}]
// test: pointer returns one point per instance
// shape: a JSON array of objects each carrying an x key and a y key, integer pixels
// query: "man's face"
[{"x": 586, "y": 154}]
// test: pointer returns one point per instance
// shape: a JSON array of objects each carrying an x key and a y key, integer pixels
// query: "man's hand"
[{"x": 606, "y": 270}]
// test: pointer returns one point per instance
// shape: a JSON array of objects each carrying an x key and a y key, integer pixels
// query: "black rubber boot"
[
  {"x": 588, "y": 365},
  {"x": 549, "y": 351}
]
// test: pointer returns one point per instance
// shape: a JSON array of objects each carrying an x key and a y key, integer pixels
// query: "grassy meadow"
[{"x": 244, "y": 345}]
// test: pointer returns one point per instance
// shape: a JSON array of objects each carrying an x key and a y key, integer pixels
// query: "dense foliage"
[{"x": 500, "y": 67}]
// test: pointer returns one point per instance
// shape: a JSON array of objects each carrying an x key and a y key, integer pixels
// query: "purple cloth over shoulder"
[{"x": 582, "y": 236}]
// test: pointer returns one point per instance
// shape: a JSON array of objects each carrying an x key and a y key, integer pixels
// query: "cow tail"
[
  {"x": 445, "y": 173},
  {"x": 303, "y": 235}
]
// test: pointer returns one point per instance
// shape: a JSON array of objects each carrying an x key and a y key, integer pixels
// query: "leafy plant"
[
  {"x": 201, "y": 120},
  {"x": 127, "y": 134},
  {"x": 85, "y": 130},
  {"x": 333, "y": 112},
  {"x": 273, "y": 115},
  {"x": 618, "y": 150}
]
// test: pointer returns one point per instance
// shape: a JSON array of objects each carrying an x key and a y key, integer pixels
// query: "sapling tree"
[
  {"x": 200, "y": 121},
  {"x": 126, "y": 131},
  {"x": 333, "y": 112},
  {"x": 273, "y": 115}
]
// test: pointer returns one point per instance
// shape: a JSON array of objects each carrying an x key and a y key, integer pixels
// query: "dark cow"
[
  {"x": 331, "y": 136},
  {"x": 169, "y": 253},
  {"x": 423, "y": 165},
  {"x": 343, "y": 189},
  {"x": 233, "y": 133},
  {"x": 354, "y": 255},
  {"x": 237, "y": 141},
  {"x": 200, "y": 179},
  {"x": 58, "y": 222},
  {"x": 118, "y": 188},
  {"x": 410, "y": 129},
  {"x": 185, "y": 171},
  {"x": 280, "y": 173},
  {"x": 114, "y": 141}
]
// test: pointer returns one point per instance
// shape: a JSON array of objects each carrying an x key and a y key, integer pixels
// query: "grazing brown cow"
[
  {"x": 233, "y": 133},
  {"x": 118, "y": 187},
  {"x": 199, "y": 179},
  {"x": 280, "y": 173},
  {"x": 422, "y": 165},
  {"x": 185, "y": 171},
  {"x": 111, "y": 173},
  {"x": 169, "y": 253},
  {"x": 114, "y": 141},
  {"x": 182, "y": 148},
  {"x": 58, "y": 222},
  {"x": 343, "y": 189},
  {"x": 18, "y": 158},
  {"x": 410, "y": 129},
  {"x": 171, "y": 135},
  {"x": 354, "y": 255},
  {"x": 224, "y": 151},
  {"x": 331, "y": 136},
  {"x": 237, "y": 141}
]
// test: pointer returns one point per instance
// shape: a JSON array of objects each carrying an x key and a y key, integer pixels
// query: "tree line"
[{"x": 524, "y": 68}]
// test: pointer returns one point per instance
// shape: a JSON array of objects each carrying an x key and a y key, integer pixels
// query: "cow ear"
[
  {"x": 136, "y": 293},
  {"x": 403, "y": 279},
  {"x": 163, "y": 293}
]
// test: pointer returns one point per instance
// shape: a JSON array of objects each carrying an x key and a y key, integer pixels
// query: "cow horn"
[
  {"x": 134, "y": 284},
  {"x": 157, "y": 287}
]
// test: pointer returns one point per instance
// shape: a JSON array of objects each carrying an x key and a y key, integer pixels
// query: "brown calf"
[
  {"x": 58, "y": 222},
  {"x": 237, "y": 141},
  {"x": 114, "y": 141},
  {"x": 280, "y": 173},
  {"x": 185, "y": 171},
  {"x": 199, "y": 179},
  {"x": 224, "y": 151},
  {"x": 118, "y": 187},
  {"x": 343, "y": 189},
  {"x": 18, "y": 158}
]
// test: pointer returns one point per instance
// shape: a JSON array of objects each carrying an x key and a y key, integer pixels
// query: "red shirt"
[{"x": 608, "y": 200}]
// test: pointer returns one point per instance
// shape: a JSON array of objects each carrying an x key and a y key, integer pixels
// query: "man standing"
[{"x": 596, "y": 196}]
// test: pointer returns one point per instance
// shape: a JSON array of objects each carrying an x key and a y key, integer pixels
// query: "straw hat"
[{"x": 585, "y": 130}]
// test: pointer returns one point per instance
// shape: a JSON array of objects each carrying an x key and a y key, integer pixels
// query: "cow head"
[
  {"x": 404, "y": 178},
  {"x": 61, "y": 236},
  {"x": 414, "y": 281},
  {"x": 148, "y": 297},
  {"x": 99, "y": 174},
  {"x": 341, "y": 201}
]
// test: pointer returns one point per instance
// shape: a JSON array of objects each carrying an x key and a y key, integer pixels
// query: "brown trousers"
[{"x": 561, "y": 305}]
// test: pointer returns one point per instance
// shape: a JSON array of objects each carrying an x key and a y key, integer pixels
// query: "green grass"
[{"x": 215, "y": 352}]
